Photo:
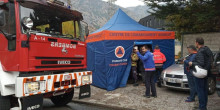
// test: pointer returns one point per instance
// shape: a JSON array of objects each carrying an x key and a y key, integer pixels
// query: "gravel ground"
[{"x": 131, "y": 97}]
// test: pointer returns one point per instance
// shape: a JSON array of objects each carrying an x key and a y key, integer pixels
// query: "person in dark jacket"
[
  {"x": 188, "y": 71},
  {"x": 203, "y": 59},
  {"x": 141, "y": 69},
  {"x": 149, "y": 66}
]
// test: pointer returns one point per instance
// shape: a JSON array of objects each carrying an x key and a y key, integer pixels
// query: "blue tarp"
[{"x": 110, "y": 61}]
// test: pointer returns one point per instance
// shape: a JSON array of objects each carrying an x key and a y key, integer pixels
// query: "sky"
[{"x": 128, "y": 3}]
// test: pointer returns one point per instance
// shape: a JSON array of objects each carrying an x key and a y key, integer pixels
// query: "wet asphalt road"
[{"x": 48, "y": 105}]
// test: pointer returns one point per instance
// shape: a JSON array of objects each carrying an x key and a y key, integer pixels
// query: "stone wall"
[{"x": 212, "y": 40}]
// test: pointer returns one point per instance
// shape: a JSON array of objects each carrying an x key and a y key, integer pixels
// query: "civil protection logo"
[{"x": 119, "y": 52}]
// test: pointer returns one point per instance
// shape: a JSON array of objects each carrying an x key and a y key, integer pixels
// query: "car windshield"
[{"x": 51, "y": 21}]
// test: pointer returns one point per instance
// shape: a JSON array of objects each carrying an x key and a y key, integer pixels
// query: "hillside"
[
  {"x": 138, "y": 12},
  {"x": 97, "y": 12}
]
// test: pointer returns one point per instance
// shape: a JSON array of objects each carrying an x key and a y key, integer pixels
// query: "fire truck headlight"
[
  {"x": 86, "y": 79},
  {"x": 33, "y": 87}
]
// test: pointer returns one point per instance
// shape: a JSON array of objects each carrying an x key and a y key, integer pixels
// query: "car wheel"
[{"x": 211, "y": 85}]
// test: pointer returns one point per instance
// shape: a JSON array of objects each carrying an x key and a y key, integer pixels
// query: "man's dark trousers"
[
  {"x": 134, "y": 73},
  {"x": 150, "y": 84},
  {"x": 192, "y": 87},
  {"x": 201, "y": 85},
  {"x": 158, "y": 73}
]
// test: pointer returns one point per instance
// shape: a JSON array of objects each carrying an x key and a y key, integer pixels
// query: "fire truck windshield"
[{"x": 52, "y": 21}]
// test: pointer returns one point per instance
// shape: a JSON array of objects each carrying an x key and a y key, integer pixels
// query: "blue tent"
[{"x": 109, "y": 49}]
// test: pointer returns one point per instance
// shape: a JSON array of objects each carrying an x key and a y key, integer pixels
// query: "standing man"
[
  {"x": 134, "y": 59},
  {"x": 149, "y": 66},
  {"x": 203, "y": 59},
  {"x": 188, "y": 71},
  {"x": 159, "y": 59}
]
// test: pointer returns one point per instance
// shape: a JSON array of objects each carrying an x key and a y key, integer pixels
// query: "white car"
[{"x": 174, "y": 77}]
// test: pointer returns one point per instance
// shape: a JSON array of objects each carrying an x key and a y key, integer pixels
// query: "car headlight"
[
  {"x": 33, "y": 87},
  {"x": 85, "y": 79},
  {"x": 163, "y": 74},
  {"x": 184, "y": 76}
]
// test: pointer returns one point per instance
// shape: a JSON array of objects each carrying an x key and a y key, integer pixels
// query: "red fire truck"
[{"x": 42, "y": 54}]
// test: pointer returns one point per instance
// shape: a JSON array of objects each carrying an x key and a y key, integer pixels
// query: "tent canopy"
[
  {"x": 121, "y": 21},
  {"x": 110, "y": 47}
]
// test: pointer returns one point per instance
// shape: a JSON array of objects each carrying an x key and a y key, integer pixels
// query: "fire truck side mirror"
[
  {"x": 2, "y": 18},
  {"x": 27, "y": 22}
]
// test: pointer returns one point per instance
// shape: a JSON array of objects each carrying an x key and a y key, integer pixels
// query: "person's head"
[
  {"x": 157, "y": 47},
  {"x": 144, "y": 48},
  {"x": 199, "y": 42},
  {"x": 135, "y": 48},
  {"x": 192, "y": 49}
]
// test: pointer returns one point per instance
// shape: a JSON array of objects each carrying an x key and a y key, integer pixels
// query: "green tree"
[{"x": 193, "y": 16}]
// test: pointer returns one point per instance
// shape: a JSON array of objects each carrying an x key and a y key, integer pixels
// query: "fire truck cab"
[{"x": 42, "y": 54}]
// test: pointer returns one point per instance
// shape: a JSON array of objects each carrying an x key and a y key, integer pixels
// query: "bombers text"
[{"x": 57, "y": 44}]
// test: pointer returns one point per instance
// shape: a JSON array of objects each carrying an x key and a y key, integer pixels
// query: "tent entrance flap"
[{"x": 140, "y": 44}]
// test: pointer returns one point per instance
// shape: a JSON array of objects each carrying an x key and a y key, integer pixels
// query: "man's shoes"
[
  {"x": 135, "y": 84},
  {"x": 187, "y": 97},
  {"x": 159, "y": 84},
  {"x": 154, "y": 96},
  {"x": 146, "y": 96},
  {"x": 200, "y": 109},
  {"x": 195, "y": 108},
  {"x": 189, "y": 100}
]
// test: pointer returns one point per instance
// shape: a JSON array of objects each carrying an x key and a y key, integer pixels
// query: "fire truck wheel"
[
  {"x": 64, "y": 99},
  {"x": 5, "y": 102}
]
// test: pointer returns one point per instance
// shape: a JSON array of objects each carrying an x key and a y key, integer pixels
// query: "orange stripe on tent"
[
  {"x": 95, "y": 37},
  {"x": 130, "y": 35}
]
